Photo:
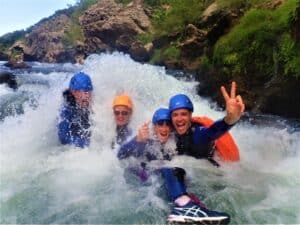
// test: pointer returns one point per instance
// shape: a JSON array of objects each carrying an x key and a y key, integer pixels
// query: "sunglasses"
[
  {"x": 123, "y": 113},
  {"x": 163, "y": 122}
]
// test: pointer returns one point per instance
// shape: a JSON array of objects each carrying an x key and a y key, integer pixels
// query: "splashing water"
[{"x": 44, "y": 182}]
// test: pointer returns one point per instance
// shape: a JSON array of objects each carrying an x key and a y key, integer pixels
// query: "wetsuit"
[
  {"x": 198, "y": 141},
  {"x": 123, "y": 133},
  {"x": 74, "y": 125},
  {"x": 154, "y": 150}
]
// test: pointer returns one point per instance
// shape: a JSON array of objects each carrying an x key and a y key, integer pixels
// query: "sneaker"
[{"x": 195, "y": 213}]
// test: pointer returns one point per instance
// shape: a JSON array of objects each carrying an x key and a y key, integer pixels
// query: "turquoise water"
[{"x": 43, "y": 182}]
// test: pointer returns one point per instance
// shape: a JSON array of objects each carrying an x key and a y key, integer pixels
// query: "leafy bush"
[
  {"x": 75, "y": 32},
  {"x": 156, "y": 56},
  {"x": 255, "y": 44},
  {"x": 238, "y": 4},
  {"x": 8, "y": 39},
  {"x": 85, "y": 4},
  {"x": 289, "y": 54},
  {"x": 123, "y": 1},
  {"x": 73, "y": 35},
  {"x": 176, "y": 16},
  {"x": 169, "y": 53},
  {"x": 145, "y": 37}
]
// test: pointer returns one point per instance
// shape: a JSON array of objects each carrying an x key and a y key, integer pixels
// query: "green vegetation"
[
  {"x": 170, "y": 53},
  {"x": 176, "y": 15},
  {"x": 83, "y": 5},
  {"x": 170, "y": 17},
  {"x": 289, "y": 55},
  {"x": 123, "y": 1},
  {"x": 9, "y": 39},
  {"x": 145, "y": 38},
  {"x": 260, "y": 43},
  {"x": 156, "y": 58},
  {"x": 240, "y": 3},
  {"x": 75, "y": 33}
]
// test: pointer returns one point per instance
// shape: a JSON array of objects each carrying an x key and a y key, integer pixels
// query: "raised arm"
[{"x": 234, "y": 105}]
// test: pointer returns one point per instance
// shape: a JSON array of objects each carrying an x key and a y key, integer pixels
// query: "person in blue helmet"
[
  {"x": 194, "y": 139},
  {"x": 74, "y": 125},
  {"x": 157, "y": 148},
  {"x": 162, "y": 147}
]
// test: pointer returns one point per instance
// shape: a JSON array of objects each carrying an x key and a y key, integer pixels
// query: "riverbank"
[{"x": 254, "y": 43}]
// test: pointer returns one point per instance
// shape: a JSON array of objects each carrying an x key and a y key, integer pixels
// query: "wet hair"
[{"x": 69, "y": 97}]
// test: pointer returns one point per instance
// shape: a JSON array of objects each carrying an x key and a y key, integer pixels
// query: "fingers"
[
  {"x": 144, "y": 132},
  {"x": 225, "y": 94},
  {"x": 240, "y": 102},
  {"x": 233, "y": 90},
  {"x": 145, "y": 127}
]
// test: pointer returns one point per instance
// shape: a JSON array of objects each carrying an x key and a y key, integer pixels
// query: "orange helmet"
[{"x": 122, "y": 100}]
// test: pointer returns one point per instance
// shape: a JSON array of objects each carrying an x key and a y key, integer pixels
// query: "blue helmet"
[
  {"x": 81, "y": 82},
  {"x": 161, "y": 114},
  {"x": 180, "y": 101}
]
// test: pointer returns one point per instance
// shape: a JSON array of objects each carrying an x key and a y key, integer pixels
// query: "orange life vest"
[{"x": 225, "y": 145}]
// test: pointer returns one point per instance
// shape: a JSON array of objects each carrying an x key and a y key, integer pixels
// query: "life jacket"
[{"x": 226, "y": 148}]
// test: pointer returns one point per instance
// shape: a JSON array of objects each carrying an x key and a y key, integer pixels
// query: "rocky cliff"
[
  {"x": 105, "y": 26},
  {"x": 255, "y": 43},
  {"x": 111, "y": 26}
]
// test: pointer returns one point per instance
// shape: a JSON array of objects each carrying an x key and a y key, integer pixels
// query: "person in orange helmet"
[{"x": 122, "y": 108}]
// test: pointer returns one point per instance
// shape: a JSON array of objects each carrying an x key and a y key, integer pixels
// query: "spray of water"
[{"x": 44, "y": 182}]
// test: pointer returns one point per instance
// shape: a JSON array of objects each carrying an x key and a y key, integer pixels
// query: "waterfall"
[{"x": 45, "y": 182}]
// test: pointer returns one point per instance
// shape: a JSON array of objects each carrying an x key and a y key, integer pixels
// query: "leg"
[
  {"x": 188, "y": 208},
  {"x": 174, "y": 180}
]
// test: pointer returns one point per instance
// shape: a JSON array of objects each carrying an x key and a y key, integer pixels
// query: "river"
[{"x": 42, "y": 182}]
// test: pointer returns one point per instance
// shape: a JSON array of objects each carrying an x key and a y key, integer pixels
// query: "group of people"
[{"x": 175, "y": 133}]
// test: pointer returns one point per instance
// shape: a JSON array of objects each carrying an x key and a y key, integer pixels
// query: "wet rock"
[
  {"x": 17, "y": 65},
  {"x": 194, "y": 43},
  {"x": 108, "y": 26},
  {"x": 9, "y": 79}
]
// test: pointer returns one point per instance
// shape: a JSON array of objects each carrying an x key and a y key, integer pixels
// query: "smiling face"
[
  {"x": 181, "y": 120},
  {"x": 122, "y": 115},
  {"x": 162, "y": 130}
]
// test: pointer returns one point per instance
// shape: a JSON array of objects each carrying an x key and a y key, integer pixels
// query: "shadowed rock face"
[
  {"x": 44, "y": 43},
  {"x": 9, "y": 79}
]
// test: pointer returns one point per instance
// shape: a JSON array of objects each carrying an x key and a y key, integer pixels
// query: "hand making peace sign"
[{"x": 234, "y": 105}]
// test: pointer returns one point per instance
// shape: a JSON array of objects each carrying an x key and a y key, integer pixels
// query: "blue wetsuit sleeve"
[
  {"x": 131, "y": 148},
  {"x": 204, "y": 135},
  {"x": 64, "y": 127},
  {"x": 80, "y": 141}
]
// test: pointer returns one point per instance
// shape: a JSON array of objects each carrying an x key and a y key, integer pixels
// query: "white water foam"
[{"x": 44, "y": 182}]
